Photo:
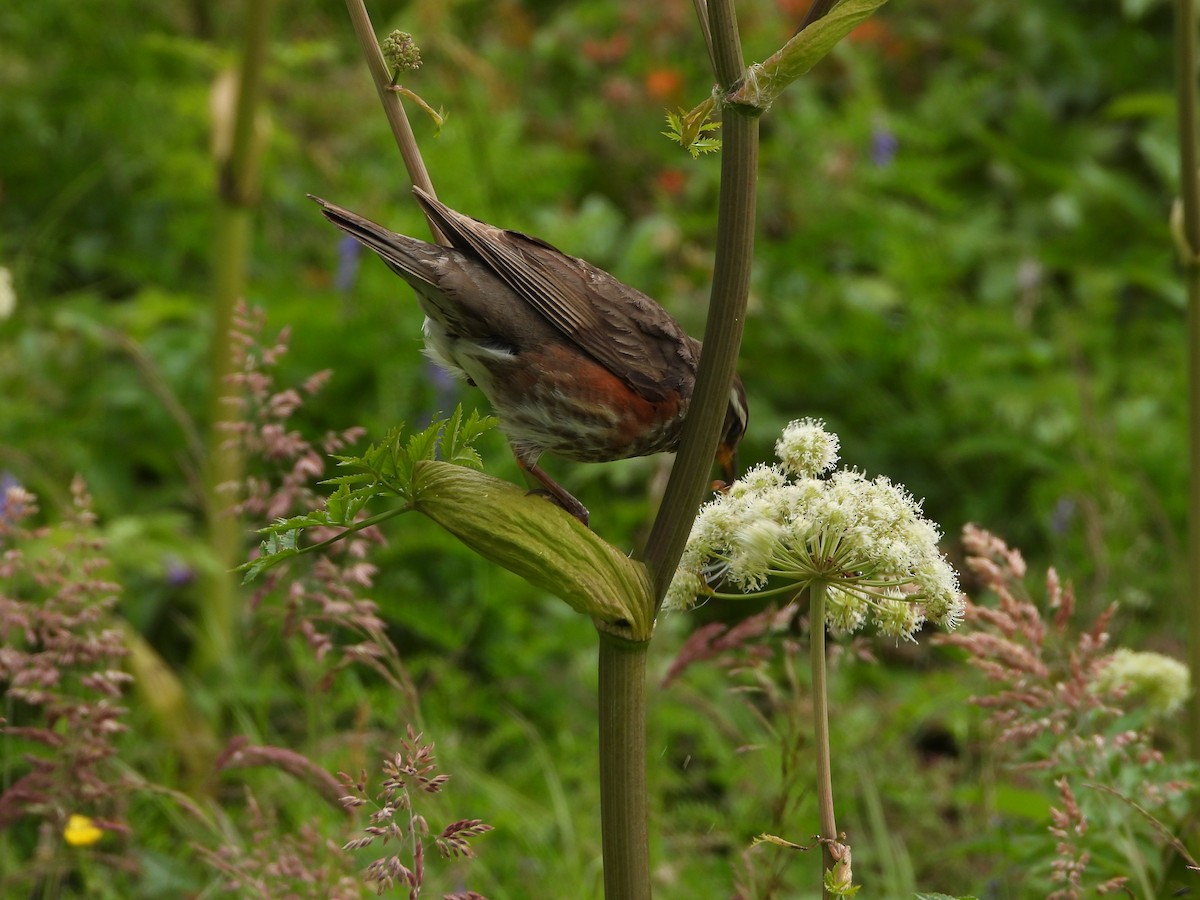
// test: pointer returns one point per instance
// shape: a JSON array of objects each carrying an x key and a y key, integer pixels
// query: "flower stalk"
[
  {"x": 817, "y": 594},
  {"x": 726, "y": 315},
  {"x": 393, "y": 109}
]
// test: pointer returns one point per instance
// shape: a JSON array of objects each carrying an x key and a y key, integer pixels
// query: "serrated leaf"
[
  {"x": 450, "y": 433},
  {"x": 458, "y": 438},
  {"x": 256, "y": 567},
  {"x": 296, "y": 523},
  {"x": 335, "y": 504},
  {"x": 281, "y": 543},
  {"x": 344, "y": 505},
  {"x": 687, "y": 128},
  {"x": 380, "y": 459},
  {"x": 358, "y": 500},
  {"x": 478, "y": 425},
  {"x": 276, "y": 548},
  {"x": 356, "y": 478},
  {"x": 423, "y": 445},
  {"x": 385, "y": 468}
]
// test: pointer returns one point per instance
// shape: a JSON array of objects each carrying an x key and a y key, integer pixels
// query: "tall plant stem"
[
  {"x": 726, "y": 313},
  {"x": 1185, "y": 46},
  {"x": 820, "y": 690},
  {"x": 622, "y": 663},
  {"x": 238, "y": 179},
  {"x": 623, "y": 803}
]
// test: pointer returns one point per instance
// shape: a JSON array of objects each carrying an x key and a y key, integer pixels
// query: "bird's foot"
[
  {"x": 564, "y": 501},
  {"x": 554, "y": 491}
]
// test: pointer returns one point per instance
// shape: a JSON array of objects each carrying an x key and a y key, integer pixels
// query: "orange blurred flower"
[
  {"x": 664, "y": 85},
  {"x": 671, "y": 181}
]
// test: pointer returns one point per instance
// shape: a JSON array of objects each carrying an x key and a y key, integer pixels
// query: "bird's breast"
[{"x": 554, "y": 398}]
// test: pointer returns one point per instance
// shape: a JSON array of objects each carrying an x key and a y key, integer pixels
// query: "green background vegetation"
[{"x": 964, "y": 266}]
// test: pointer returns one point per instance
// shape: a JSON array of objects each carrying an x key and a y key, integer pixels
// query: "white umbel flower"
[
  {"x": 1160, "y": 683},
  {"x": 784, "y": 528}
]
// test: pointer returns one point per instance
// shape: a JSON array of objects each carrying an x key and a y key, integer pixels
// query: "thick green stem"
[
  {"x": 1185, "y": 45},
  {"x": 727, "y": 310},
  {"x": 238, "y": 179},
  {"x": 820, "y": 691},
  {"x": 623, "y": 803}
]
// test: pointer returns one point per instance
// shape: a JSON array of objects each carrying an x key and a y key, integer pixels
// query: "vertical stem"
[
  {"x": 221, "y": 607},
  {"x": 623, "y": 804},
  {"x": 727, "y": 310},
  {"x": 816, "y": 630},
  {"x": 1185, "y": 46},
  {"x": 238, "y": 178}
]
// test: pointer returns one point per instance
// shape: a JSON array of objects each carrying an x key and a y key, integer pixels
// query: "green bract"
[{"x": 539, "y": 541}]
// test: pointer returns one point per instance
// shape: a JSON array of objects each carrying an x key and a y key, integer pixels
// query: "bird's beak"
[{"x": 727, "y": 460}]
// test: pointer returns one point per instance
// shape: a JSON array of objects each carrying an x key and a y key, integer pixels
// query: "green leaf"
[
  {"x": 458, "y": 438},
  {"x": 765, "y": 81},
  {"x": 277, "y": 548},
  {"x": 357, "y": 501},
  {"x": 344, "y": 504},
  {"x": 356, "y": 478},
  {"x": 335, "y": 506},
  {"x": 687, "y": 128},
  {"x": 296, "y": 523},
  {"x": 384, "y": 469},
  {"x": 422, "y": 445}
]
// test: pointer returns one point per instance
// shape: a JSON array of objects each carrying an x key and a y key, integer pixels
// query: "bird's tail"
[{"x": 407, "y": 257}]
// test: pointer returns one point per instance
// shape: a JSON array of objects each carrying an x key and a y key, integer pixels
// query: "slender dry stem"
[{"x": 392, "y": 107}]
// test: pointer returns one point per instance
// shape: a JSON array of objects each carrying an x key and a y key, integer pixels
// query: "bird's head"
[{"x": 737, "y": 417}]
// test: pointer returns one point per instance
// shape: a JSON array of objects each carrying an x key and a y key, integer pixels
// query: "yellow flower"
[{"x": 81, "y": 831}]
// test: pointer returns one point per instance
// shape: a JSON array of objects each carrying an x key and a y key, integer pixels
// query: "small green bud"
[{"x": 401, "y": 52}]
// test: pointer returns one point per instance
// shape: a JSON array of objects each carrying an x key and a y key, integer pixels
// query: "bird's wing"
[
  {"x": 623, "y": 329},
  {"x": 455, "y": 288}
]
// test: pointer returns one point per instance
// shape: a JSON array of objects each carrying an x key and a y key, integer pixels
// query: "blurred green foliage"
[{"x": 964, "y": 267}]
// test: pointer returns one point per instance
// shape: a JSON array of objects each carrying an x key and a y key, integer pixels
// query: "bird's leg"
[{"x": 554, "y": 490}]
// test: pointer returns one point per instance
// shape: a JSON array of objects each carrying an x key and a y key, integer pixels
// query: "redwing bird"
[{"x": 574, "y": 362}]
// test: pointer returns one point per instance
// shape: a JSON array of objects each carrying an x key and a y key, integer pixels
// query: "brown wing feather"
[{"x": 623, "y": 329}]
